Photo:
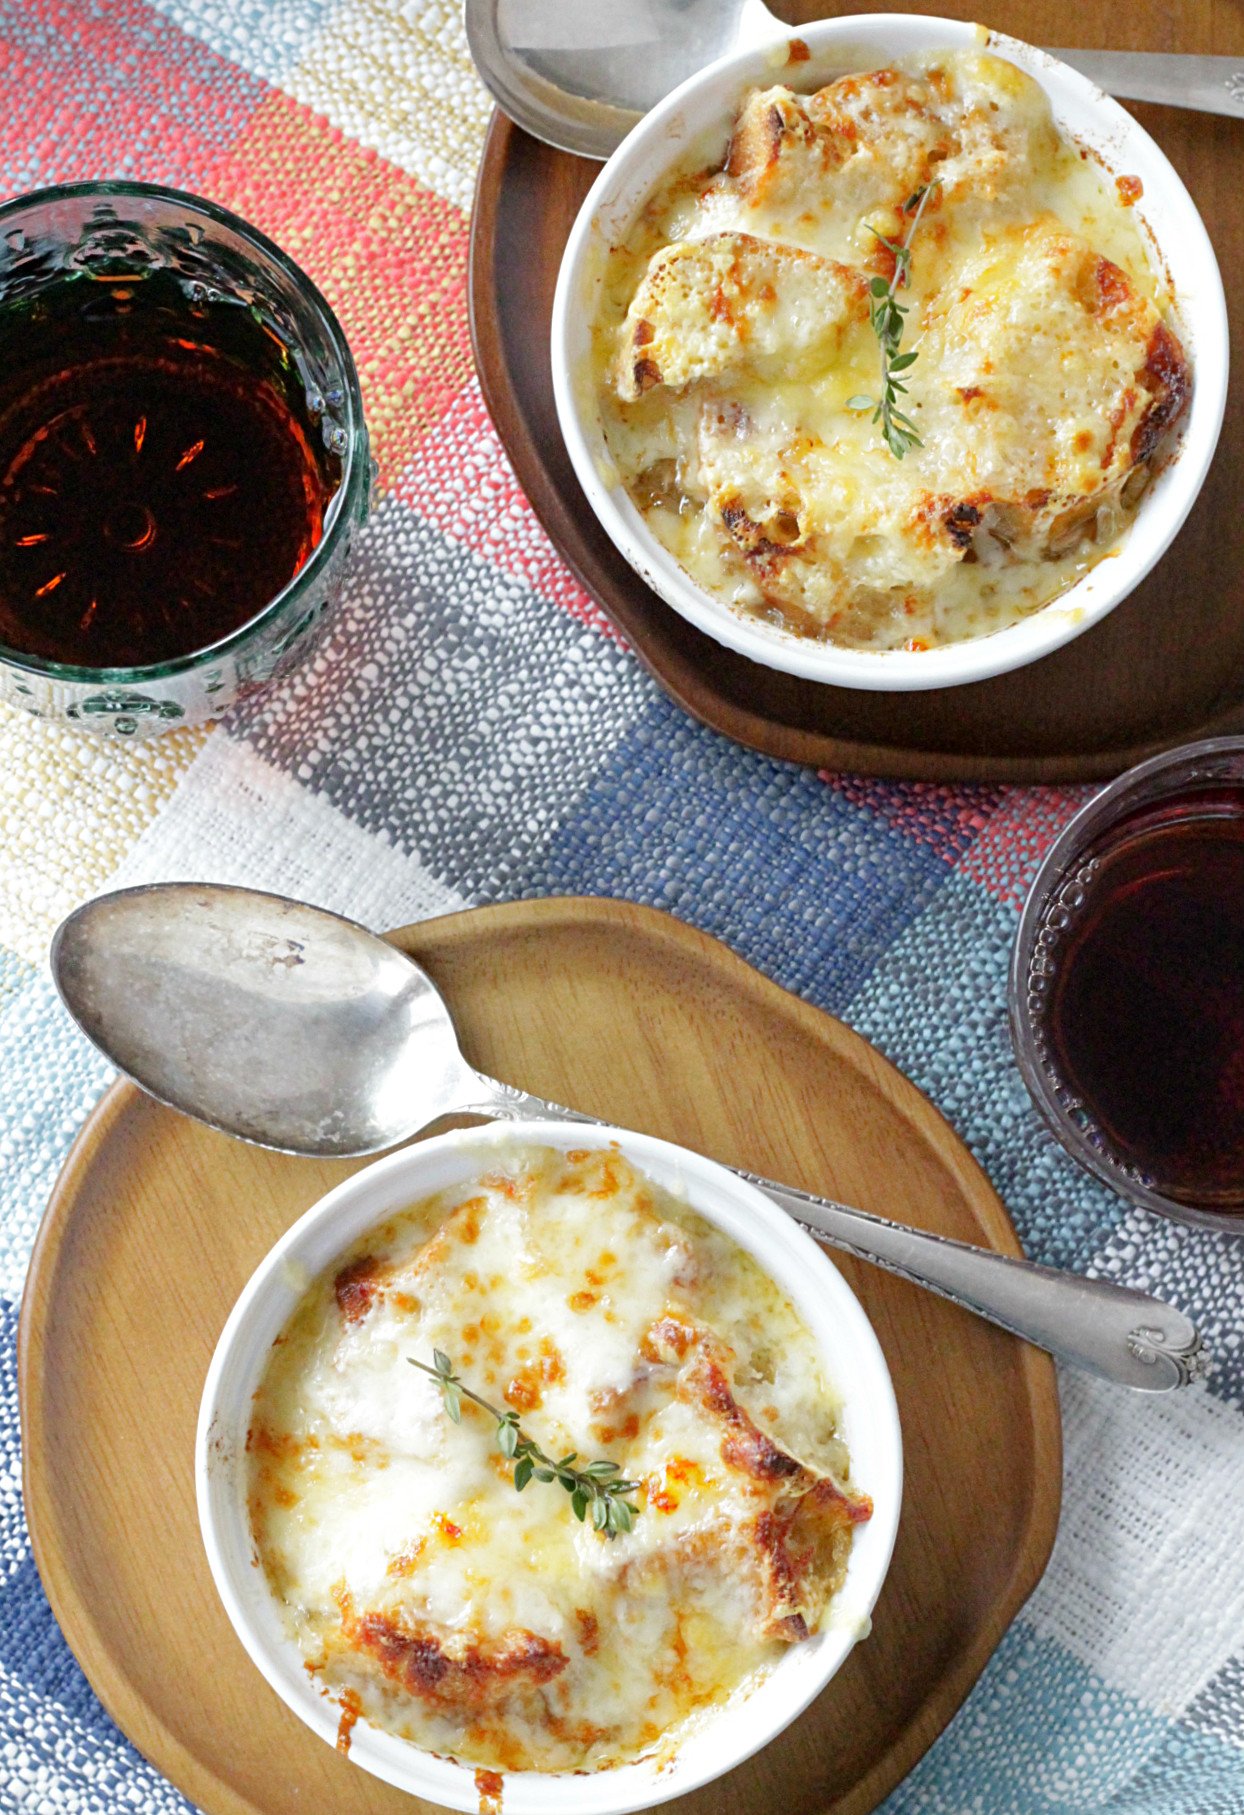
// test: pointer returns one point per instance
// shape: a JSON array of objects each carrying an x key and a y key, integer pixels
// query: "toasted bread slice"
[
  {"x": 706, "y": 305},
  {"x": 772, "y": 126}
]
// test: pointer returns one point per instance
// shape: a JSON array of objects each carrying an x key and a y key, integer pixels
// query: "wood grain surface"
[
  {"x": 1166, "y": 666},
  {"x": 156, "y": 1223}
]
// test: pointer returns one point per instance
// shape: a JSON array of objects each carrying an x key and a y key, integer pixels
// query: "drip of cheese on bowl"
[
  {"x": 427, "y": 1594},
  {"x": 734, "y": 344}
]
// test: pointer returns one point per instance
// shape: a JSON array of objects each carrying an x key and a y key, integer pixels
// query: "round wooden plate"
[
  {"x": 156, "y": 1223},
  {"x": 1165, "y": 667}
]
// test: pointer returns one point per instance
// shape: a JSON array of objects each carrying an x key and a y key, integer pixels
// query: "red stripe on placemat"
[
  {"x": 115, "y": 92},
  {"x": 949, "y": 820},
  {"x": 1008, "y": 854},
  {"x": 996, "y": 836},
  {"x": 390, "y": 256}
]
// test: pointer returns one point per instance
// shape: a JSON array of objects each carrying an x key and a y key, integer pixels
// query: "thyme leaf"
[
  {"x": 886, "y": 314},
  {"x": 599, "y": 1487}
]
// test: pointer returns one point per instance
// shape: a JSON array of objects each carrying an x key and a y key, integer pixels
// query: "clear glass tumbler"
[
  {"x": 120, "y": 235},
  {"x": 1159, "y": 827}
]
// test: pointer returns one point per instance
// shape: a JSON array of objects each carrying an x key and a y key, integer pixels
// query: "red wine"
[
  {"x": 1145, "y": 1018},
  {"x": 160, "y": 481}
]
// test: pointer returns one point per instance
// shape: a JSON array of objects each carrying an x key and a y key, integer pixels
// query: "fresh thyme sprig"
[
  {"x": 598, "y": 1486},
  {"x": 886, "y": 313}
]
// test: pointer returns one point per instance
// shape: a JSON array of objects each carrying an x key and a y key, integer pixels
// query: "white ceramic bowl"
[
  {"x": 703, "y": 109},
  {"x": 853, "y": 1362}
]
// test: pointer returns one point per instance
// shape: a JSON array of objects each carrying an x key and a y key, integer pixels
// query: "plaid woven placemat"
[{"x": 473, "y": 731}]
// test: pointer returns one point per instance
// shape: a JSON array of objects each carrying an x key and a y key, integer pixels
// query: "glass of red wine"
[
  {"x": 1127, "y": 985},
  {"x": 183, "y": 458}
]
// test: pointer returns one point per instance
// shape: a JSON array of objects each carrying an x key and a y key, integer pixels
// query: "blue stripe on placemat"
[
  {"x": 14, "y": 1542},
  {"x": 803, "y": 884},
  {"x": 61, "y": 1753},
  {"x": 1041, "y": 1736},
  {"x": 33, "y": 1648},
  {"x": 52, "y": 1079},
  {"x": 269, "y": 37}
]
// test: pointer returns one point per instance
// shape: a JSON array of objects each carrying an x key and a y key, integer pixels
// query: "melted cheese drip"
[
  {"x": 1014, "y": 389},
  {"x": 542, "y": 1283}
]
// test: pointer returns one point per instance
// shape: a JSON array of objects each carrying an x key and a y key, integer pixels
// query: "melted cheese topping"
[
  {"x": 425, "y": 1592},
  {"x": 735, "y": 332}
]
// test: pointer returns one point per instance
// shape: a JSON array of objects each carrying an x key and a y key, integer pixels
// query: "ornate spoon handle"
[
  {"x": 1113, "y": 1331},
  {"x": 1205, "y": 84}
]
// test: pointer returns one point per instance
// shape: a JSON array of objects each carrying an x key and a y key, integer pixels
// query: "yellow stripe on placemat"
[
  {"x": 401, "y": 80},
  {"x": 72, "y": 807}
]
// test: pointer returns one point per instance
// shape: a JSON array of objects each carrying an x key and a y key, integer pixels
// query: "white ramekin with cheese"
[
  {"x": 712, "y": 349},
  {"x": 251, "y": 1504}
]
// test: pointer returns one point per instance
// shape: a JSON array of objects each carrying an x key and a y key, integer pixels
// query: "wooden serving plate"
[
  {"x": 156, "y": 1223},
  {"x": 1166, "y": 666}
]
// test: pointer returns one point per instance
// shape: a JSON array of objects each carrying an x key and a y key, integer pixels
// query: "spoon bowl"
[
  {"x": 579, "y": 74},
  {"x": 263, "y": 1017}
]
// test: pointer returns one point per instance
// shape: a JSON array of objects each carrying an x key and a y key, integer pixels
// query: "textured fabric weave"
[{"x": 474, "y": 731}]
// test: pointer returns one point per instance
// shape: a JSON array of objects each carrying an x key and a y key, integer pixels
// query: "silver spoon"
[
  {"x": 298, "y": 1030},
  {"x": 579, "y": 73}
]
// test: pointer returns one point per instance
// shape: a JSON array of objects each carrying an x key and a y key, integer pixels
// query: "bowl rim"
[
  {"x": 1083, "y": 112},
  {"x": 724, "y": 1198}
]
